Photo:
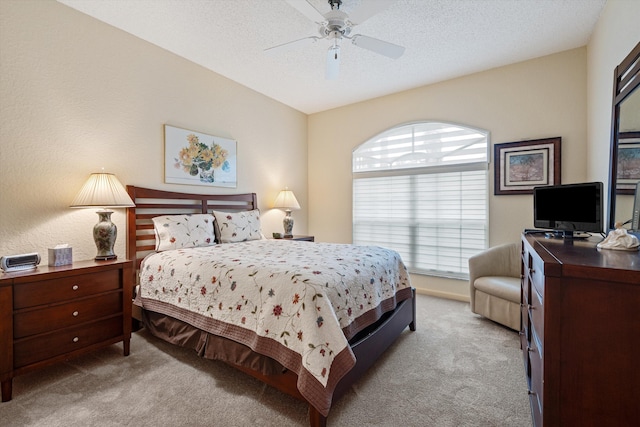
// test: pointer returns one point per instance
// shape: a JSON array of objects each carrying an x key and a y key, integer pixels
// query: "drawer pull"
[
  {"x": 76, "y": 339},
  {"x": 75, "y": 314},
  {"x": 531, "y": 349},
  {"x": 530, "y": 307},
  {"x": 531, "y": 392},
  {"x": 75, "y": 287}
]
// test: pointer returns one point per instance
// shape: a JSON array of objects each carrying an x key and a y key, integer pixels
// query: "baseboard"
[{"x": 440, "y": 294}]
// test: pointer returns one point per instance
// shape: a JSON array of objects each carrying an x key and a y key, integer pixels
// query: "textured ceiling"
[{"x": 443, "y": 39}]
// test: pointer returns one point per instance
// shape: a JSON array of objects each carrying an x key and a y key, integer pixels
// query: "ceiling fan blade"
[
  {"x": 367, "y": 9},
  {"x": 333, "y": 63},
  {"x": 307, "y": 10},
  {"x": 378, "y": 46},
  {"x": 292, "y": 44}
]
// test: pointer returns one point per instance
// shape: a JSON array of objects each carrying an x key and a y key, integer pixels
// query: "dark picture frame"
[{"x": 521, "y": 166}]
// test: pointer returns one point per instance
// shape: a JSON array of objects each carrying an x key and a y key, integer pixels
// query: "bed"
[{"x": 306, "y": 318}]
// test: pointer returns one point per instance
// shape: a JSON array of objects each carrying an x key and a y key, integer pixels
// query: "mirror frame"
[{"x": 626, "y": 78}]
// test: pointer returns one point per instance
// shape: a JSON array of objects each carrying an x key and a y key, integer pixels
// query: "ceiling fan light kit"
[
  {"x": 333, "y": 62},
  {"x": 336, "y": 25}
]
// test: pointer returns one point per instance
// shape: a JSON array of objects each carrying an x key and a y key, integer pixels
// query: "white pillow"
[
  {"x": 238, "y": 226},
  {"x": 183, "y": 231}
]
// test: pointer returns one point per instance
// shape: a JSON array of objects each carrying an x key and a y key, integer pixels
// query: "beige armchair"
[{"x": 494, "y": 284}]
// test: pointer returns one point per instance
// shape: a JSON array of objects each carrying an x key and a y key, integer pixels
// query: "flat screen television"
[{"x": 569, "y": 209}]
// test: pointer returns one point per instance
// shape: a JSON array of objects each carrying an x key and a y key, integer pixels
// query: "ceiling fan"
[{"x": 336, "y": 25}]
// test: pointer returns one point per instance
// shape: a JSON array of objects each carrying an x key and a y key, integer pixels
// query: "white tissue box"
[{"x": 60, "y": 256}]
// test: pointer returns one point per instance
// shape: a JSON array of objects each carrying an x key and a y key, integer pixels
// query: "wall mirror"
[{"x": 624, "y": 166}]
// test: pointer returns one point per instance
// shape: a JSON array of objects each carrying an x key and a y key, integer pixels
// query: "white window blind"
[{"x": 424, "y": 194}]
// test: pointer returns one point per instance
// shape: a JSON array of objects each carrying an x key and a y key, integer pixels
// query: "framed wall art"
[
  {"x": 628, "y": 168},
  {"x": 521, "y": 166},
  {"x": 199, "y": 159}
]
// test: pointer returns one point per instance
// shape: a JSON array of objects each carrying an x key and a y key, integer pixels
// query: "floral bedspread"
[{"x": 297, "y": 302}]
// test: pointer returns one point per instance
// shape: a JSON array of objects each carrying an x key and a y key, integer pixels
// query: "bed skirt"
[{"x": 208, "y": 345}]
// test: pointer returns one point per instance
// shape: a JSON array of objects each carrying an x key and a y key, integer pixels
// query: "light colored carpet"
[{"x": 457, "y": 369}]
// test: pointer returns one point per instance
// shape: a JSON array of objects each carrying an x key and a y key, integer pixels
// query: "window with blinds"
[{"x": 421, "y": 189}]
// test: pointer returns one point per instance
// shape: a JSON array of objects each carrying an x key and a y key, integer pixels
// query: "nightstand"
[
  {"x": 300, "y": 238},
  {"x": 51, "y": 314}
]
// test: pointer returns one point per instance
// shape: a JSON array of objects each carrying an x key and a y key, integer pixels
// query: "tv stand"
[{"x": 567, "y": 234}]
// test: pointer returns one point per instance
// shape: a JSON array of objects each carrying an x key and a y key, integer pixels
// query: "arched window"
[{"x": 421, "y": 189}]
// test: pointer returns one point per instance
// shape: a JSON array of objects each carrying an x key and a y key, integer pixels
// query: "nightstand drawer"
[
  {"x": 63, "y": 289},
  {"x": 36, "y": 321},
  {"x": 41, "y": 347}
]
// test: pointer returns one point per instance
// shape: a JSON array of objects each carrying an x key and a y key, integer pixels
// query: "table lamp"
[
  {"x": 287, "y": 200},
  {"x": 103, "y": 190}
]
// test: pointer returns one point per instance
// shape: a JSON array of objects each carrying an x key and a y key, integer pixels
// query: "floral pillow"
[
  {"x": 238, "y": 226},
  {"x": 183, "y": 231}
]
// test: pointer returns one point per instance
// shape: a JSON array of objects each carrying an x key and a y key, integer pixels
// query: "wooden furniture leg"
[
  {"x": 6, "y": 389},
  {"x": 316, "y": 419}
]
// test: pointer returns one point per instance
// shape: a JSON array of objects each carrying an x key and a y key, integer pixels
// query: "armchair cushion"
[{"x": 507, "y": 288}]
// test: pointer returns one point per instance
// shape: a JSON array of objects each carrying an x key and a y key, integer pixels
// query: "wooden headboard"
[{"x": 150, "y": 203}]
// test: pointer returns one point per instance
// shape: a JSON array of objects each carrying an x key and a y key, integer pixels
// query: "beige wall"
[
  {"x": 616, "y": 33},
  {"x": 540, "y": 98},
  {"x": 78, "y": 95}
]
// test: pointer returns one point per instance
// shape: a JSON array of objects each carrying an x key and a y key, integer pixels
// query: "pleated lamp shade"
[
  {"x": 102, "y": 190},
  {"x": 286, "y": 200}
]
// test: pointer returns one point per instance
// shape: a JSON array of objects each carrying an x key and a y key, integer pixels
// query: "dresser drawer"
[
  {"x": 536, "y": 311},
  {"x": 525, "y": 322},
  {"x": 524, "y": 344},
  {"x": 536, "y": 273},
  {"x": 36, "y": 321},
  {"x": 527, "y": 279},
  {"x": 63, "y": 289},
  {"x": 536, "y": 395},
  {"x": 41, "y": 347},
  {"x": 525, "y": 286}
]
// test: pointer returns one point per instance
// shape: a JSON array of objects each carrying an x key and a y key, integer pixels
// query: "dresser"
[
  {"x": 51, "y": 314},
  {"x": 580, "y": 332}
]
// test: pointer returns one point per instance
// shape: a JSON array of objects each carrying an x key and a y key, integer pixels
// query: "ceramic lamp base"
[
  {"x": 104, "y": 234},
  {"x": 287, "y": 222}
]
